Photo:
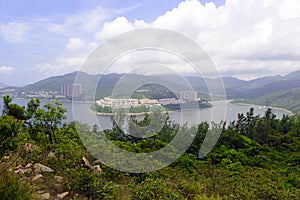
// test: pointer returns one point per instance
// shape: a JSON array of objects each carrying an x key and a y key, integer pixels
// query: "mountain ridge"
[{"x": 235, "y": 88}]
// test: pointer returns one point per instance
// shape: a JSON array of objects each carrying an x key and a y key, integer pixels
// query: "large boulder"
[{"x": 38, "y": 168}]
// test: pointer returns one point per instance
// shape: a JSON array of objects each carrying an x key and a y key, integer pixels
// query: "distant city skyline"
[
  {"x": 245, "y": 39},
  {"x": 70, "y": 90}
]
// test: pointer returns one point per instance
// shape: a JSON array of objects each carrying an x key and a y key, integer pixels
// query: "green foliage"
[
  {"x": 101, "y": 109},
  {"x": 155, "y": 189},
  {"x": 82, "y": 181},
  {"x": 108, "y": 109},
  {"x": 139, "y": 109},
  {"x": 9, "y": 128},
  {"x": 12, "y": 187},
  {"x": 49, "y": 118},
  {"x": 255, "y": 157},
  {"x": 14, "y": 110},
  {"x": 289, "y": 99}
]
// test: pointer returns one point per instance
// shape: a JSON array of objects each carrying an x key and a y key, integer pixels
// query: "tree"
[
  {"x": 9, "y": 128},
  {"x": 202, "y": 130},
  {"x": 19, "y": 112},
  {"x": 46, "y": 119},
  {"x": 49, "y": 118},
  {"x": 13, "y": 110}
]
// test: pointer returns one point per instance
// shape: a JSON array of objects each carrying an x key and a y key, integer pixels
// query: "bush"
[
  {"x": 9, "y": 128},
  {"x": 155, "y": 189},
  {"x": 84, "y": 182},
  {"x": 11, "y": 187}
]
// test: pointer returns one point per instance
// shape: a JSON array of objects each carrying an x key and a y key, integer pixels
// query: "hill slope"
[{"x": 288, "y": 99}]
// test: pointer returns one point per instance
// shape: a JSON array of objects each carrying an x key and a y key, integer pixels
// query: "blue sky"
[{"x": 39, "y": 39}]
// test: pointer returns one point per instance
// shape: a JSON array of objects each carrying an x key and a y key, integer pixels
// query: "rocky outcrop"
[
  {"x": 24, "y": 170},
  {"x": 94, "y": 168},
  {"x": 38, "y": 168}
]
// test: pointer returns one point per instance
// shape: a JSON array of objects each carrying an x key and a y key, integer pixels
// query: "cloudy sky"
[{"x": 245, "y": 39}]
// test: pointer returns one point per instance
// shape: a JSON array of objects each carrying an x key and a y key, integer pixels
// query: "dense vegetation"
[
  {"x": 108, "y": 109},
  {"x": 289, "y": 99},
  {"x": 256, "y": 157}
]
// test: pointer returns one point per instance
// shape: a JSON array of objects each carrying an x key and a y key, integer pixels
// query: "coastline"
[
  {"x": 272, "y": 107},
  {"x": 128, "y": 114},
  {"x": 53, "y": 99}
]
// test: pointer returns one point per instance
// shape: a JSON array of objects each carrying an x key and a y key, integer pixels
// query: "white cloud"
[
  {"x": 6, "y": 69},
  {"x": 14, "y": 32},
  {"x": 119, "y": 25},
  {"x": 261, "y": 36},
  {"x": 257, "y": 35},
  {"x": 93, "y": 45},
  {"x": 74, "y": 44},
  {"x": 290, "y": 9}
]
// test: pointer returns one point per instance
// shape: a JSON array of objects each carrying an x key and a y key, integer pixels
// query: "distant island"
[{"x": 188, "y": 100}]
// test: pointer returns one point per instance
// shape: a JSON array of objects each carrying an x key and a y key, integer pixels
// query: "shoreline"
[
  {"x": 53, "y": 99},
  {"x": 128, "y": 114},
  {"x": 272, "y": 107}
]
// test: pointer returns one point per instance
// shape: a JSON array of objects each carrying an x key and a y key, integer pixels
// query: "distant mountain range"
[
  {"x": 270, "y": 90},
  {"x": 2, "y": 85}
]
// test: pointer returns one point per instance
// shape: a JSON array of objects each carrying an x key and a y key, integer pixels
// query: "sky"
[{"x": 244, "y": 39}]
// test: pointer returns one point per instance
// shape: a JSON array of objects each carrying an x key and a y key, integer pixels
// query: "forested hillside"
[{"x": 41, "y": 158}]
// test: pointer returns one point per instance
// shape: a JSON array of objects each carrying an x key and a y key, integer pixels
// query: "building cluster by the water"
[
  {"x": 185, "y": 96},
  {"x": 70, "y": 90}
]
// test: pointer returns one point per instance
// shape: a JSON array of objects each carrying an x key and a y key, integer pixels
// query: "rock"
[
  {"x": 62, "y": 195},
  {"x": 20, "y": 171},
  {"x": 58, "y": 187},
  {"x": 29, "y": 165},
  {"x": 19, "y": 167},
  {"x": 46, "y": 196},
  {"x": 51, "y": 155},
  {"x": 23, "y": 170},
  {"x": 30, "y": 147},
  {"x": 6, "y": 157},
  {"x": 38, "y": 168},
  {"x": 96, "y": 169},
  {"x": 86, "y": 162},
  {"x": 96, "y": 162},
  {"x": 28, "y": 171},
  {"x": 59, "y": 179},
  {"x": 37, "y": 177}
]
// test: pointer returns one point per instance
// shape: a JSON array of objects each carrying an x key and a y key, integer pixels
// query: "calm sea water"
[{"x": 221, "y": 110}]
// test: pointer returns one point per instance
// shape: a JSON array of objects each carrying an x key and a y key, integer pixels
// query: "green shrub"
[
  {"x": 155, "y": 189},
  {"x": 83, "y": 181},
  {"x": 9, "y": 128},
  {"x": 11, "y": 187}
]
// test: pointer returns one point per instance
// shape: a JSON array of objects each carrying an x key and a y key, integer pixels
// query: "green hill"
[{"x": 288, "y": 99}]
